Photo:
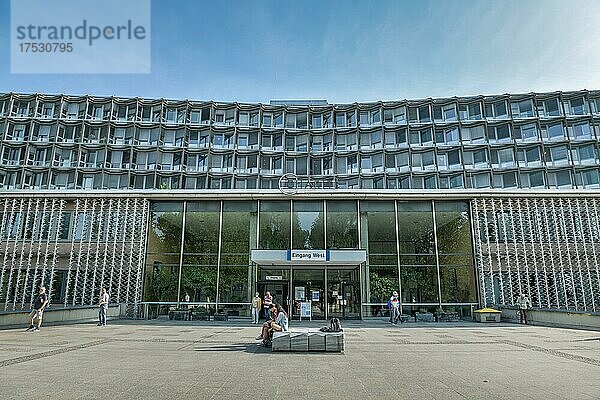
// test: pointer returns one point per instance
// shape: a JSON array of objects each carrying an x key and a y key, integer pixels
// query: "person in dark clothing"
[{"x": 37, "y": 309}]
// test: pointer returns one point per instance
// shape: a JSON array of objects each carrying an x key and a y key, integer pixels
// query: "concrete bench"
[{"x": 308, "y": 340}]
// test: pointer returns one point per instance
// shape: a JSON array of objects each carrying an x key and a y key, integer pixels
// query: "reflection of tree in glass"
[
  {"x": 274, "y": 230},
  {"x": 381, "y": 287},
  {"x": 342, "y": 232},
  {"x": 163, "y": 283},
  {"x": 311, "y": 238},
  {"x": 165, "y": 234}
]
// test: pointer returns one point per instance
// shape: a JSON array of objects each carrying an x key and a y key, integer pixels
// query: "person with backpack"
[{"x": 394, "y": 305}]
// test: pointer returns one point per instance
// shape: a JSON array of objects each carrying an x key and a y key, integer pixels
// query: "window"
[
  {"x": 223, "y": 140},
  {"x": 481, "y": 181},
  {"x": 560, "y": 179},
  {"x": 581, "y": 130},
  {"x": 496, "y": 110},
  {"x": 196, "y": 162},
  {"x": 499, "y": 133},
  {"x": 584, "y": 154},
  {"x": 198, "y": 138},
  {"x": 576, "y": 106},
  {"x": 476, "y": 158},
  {"x": 244, "y": 118},
  {"x": 346, "y": 141},
  {"x": 296, "y": 143},
  {"x": 396, "y": 138},
  {"x": 47, "y": 110},
  {"x": 589, "y": 178},
  {"x": 271, "y": 164},
  {"x": 272, "y": 120},
  {"x": 445, "y": 113},
  {"x": 529, "y": 157},
  {"x": 372, "y": 163},
  {"x": 345, "y": 119},
  {"x": 368, "y": 118},
  {"x": 272, "y": 141},
  {"x": 553, "y": 132},
  {"x": 548, "y": 108},
  {"x": 505, "y": 180},
  {"x": 522, "y": 109},
  {"x": 447, "y": 136},
  {"x": 21, "y": 109},
  {"x": 321, "y": 121},
  {"x": 556, "y": 155},
  {"x": 394, "y": 116},
  {"x": 419, "y": 114},
  {"x": 525, "y": 132},
  {"x": 469, "y": 111},
  {"x": 532, "y": 179},
  {"x": 18, "y": 133},
  {"x": 456, "y": 181},
  {"x": 321, "y": 143},
  {"x": 195, "y": 116},
  {"x": 371, "y": 140},
  {"x": 503, "y": 157},
  {"x": 396, "y": 162},
  {"x": 421, "y": 137},
  {"x": 473, "y": 133},
  {"x": 347, "y": 165},
  {"x": 43, "y": 134},
  {"x": 322, "y": 166},
  {"x": 296, "y": 165},
  {"x": 423, "y": 161},
  {"x": 595, "y": 105},
  {"x": 449, "y": 159},
  {"x": 296, "y": 121},
  {"x": 72, "y": 110}
]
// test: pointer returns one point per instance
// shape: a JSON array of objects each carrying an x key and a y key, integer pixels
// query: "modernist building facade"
[{"x": 456, "y": 202}]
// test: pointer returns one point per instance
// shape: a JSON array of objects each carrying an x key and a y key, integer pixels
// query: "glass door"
[
  {"x": 308, "y": 285},
  {"x": 343, "y": 293}
]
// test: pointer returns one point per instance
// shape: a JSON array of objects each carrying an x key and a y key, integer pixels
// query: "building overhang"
[{"x": 275, "y": 194}]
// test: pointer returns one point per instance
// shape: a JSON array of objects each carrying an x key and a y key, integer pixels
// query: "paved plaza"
[{"x": 211, "y": 360}]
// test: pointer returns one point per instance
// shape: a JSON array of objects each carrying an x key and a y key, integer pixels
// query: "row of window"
[
  {"x": 55, "y": 179},
  {"x": 440, "y": 159},
  {"x": 316, "y": 118},
  {"x": 298, "y": 142}
]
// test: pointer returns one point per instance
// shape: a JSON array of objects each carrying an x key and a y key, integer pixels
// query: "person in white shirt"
[
  {"x": 524, "y": 304},
  {"x": 103, "y": 304}
]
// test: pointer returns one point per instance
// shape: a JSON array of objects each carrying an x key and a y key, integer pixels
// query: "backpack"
[
  {"x": 389, "y": 304},
  {"x": 334, "y": 326}
]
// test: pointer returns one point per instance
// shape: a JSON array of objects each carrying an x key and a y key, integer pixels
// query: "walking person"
[
  {"x": 394, "y": 308},
  {"x": 524, "y": 304},
  {"x": 37, "y": 309},
  {"x": 267, "y": 301},
  {"x": 103, "y": 307},
  {"x": 256, "y": 307}
]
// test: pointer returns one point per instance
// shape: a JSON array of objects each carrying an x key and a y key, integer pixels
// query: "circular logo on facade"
[{"x": 288, "y": 184}]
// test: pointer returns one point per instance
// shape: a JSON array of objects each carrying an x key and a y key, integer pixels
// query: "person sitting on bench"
[
  {"x": 265, "y": 336},
  {"x": 281, "y": 322}
]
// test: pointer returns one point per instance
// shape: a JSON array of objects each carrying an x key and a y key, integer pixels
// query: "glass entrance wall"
[
  {"x": 378, "y": 231},
  {"x": 308, "y": 285},
  {"x": 429, "y": 260},
  {"x": 343, "y": 293}
]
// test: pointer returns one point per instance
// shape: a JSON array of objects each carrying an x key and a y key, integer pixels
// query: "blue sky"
[{"x": 346, "y": 51}]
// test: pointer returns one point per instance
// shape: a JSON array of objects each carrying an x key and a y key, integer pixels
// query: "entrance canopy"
[{"x": 266, "y": 258}]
